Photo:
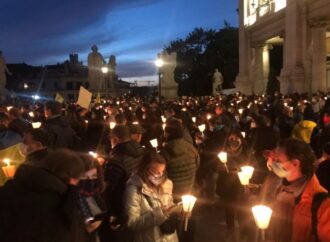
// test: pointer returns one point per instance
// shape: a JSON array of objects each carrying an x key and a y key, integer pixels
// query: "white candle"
[
  {"x": 262, "y": 215},
  {"x": 36, "y": 125},
  {"x": 31, "y": 114},
  {"x": 209, "y": 116},
  {"x": 193, "y": 119},
  {"x": 243, "y": 178},
  {"x": 112, "y": 125},
  {"x": 202, "y": 128},
  {"x": 223, "y": 157},
  {"x": 154, "y": 143},
  {"x": 163, "y": 119},
  {"x": 248, "y": 170},
  {"x": 240, "y": 111},
  {"x": 243, "y": 134},
  {"x": 188, "y": 203},
  {"x": 164, "y": 126}
]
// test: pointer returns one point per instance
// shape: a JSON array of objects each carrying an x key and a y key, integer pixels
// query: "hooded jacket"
[
  {"x": 144, "y": 218},
  {"x": 303, "y": 131}
]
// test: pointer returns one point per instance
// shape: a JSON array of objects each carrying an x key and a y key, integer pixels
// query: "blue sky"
[{"x": 40, "y": 32}]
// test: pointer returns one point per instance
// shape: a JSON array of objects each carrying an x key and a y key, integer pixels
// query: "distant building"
[
  {"x": 65, "y": 78},
  {"x": 284, "y": 41}
]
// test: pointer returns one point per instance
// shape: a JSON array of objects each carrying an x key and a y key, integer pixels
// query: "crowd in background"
[{"x": 93, "y": 174}]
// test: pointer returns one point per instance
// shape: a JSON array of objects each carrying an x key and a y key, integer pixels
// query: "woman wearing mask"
[
  {"x": 228, "y": 184},
  {"x": 149, "y": 202},
  {"x": 91, "y": 205}
]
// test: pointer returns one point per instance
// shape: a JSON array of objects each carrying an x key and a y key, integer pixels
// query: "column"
[
  {"x": 259, "y": 83},
  {"x": 292, "y": 76},
  {"x": 319, "y": 58}
]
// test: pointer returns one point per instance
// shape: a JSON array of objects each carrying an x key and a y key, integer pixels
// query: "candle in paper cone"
[
  {"x": 248, "y": 170},
  {"x": 243, "y": 178},
  {"x": 36, "y": 125},
  {"x": 135, "y": 123},
  {"x": 154, "y": 143},
  {"x": 243, "y": 134},
  {"x": 112, "y": 125},
  {"x": 240, "y": 111},
  {"x": 193, "y": 119},
  {"x": 262, "y": 215},
  {"x": 163, "y": 119},
  {"x": 209, "y": 116},
  {"x": 31, "y": 114},
  {"x": 91, "y": 153},
  {"x": 9, "y": 107},
  {"x": 188, "y": 203},
  {"x": 8, "y": 170},
  {"x": 223, "y": 157},
  {"x": 201, "y": 127},
  {"x": 164, "y": 126}
]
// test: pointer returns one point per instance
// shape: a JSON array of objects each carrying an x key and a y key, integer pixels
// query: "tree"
[{"x": 200, "y": 53}]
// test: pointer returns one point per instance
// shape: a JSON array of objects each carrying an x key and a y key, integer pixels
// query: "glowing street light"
[{"x": 105, "y": 69}]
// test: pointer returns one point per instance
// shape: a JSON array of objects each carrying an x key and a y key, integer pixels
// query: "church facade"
[{"x": 284, "y": 43}]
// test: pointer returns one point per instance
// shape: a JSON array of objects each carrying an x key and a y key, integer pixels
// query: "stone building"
[{"x": 286, "y": 41}]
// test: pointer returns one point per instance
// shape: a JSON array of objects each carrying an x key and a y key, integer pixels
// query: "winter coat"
[
  {"x": 301, "y": 216},
  {"x": 8, "y": 138},
  {"x": 182, "y": 164},
  {"x": 144, "y": 218},
  {"x": 61, "y": 135},
  {"x": 36, "y": 206},
  {"x": 123, "y": 161}
]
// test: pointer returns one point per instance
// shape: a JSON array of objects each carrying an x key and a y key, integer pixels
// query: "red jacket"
[{"x": 302, "y": 225}]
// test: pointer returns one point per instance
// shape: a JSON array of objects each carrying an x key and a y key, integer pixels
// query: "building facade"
[{"x": 285, "y": 42}]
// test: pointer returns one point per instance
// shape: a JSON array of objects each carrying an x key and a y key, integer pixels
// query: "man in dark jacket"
[
  {"x": 39, "y": 204},
  {"x": 182, "y": 159},
  {"x": 60, "y": 132},
  {"x": 17, "y": 123},
  {"x": 35, "y": 145},
  {"x": 124, "y": 159}
]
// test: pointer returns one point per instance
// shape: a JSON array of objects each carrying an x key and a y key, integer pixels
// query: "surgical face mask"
[
  {"x": 278, "y": 170},
  {"x": 88, "y": 187},
  {"x": 156, "y": 180}
]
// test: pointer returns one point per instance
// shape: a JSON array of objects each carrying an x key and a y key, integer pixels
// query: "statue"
[
  {"x": 217, "y": 82},
  {"x": 95, "y": 75},
  {"x": 3, "y": 78},
  {"x": 112, "y": 71},
  {"x": 168, "y": 86}
]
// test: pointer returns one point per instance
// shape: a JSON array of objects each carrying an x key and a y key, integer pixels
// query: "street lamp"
[
  {"x": 105, "y": 71},
  {"x": 159, "y": 63}
]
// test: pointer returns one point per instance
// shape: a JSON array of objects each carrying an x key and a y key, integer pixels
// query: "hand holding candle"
[
  {"x": 223, "y": 158},
  {"x": 188, "y": 203}
]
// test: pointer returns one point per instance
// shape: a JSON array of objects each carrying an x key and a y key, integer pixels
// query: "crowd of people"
[{"x": 94, "y": 174}]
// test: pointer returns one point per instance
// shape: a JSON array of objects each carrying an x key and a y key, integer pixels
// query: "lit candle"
[
  {"x": 248, "y": 170},
  {"x": 243, "y": 134},
  {"x": 112, "y": 125},
  {"x": 163, "y": 119},
  {"x": 36, "y": 125},
  {"x": 193, "y": 119},
  {"x": 262, "y": 215},
  {"x": 209, "y": 116},
  {"x": 188, "y": 203},
  {"x": 223, "y": 157},
  {"x": 135, "y": 123},
  {"x": 202, "y": 128},
  {"x": 8, "y": 170},
  {"x": 31, "y": 114},
  {"x": 243, "y": 178},
  {"x": 240, "y": 111},
  {"x": 86, "y": 121},
  {"x": 9, "y": 107},
  {"x": 154, "y": 143},
  {"x": 91, "y": 153},
  {"x": 164, "y": 126}
]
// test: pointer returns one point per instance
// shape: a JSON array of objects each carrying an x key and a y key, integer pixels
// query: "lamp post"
[
  {"x": 105, "y": 71},
  {"x": 159, "y": 63}
]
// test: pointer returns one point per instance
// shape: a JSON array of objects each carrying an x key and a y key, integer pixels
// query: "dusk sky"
[{"x": 40, "y": 32}]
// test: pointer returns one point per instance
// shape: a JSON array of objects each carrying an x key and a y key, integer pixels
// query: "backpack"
[{"x": 316, "y": 203}]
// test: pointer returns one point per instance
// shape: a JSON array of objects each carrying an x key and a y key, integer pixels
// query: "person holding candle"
[
  {"x": 293, "y": 162},
  {"x": 149, "y": 202},
  {"x": 40, "y": 203}
]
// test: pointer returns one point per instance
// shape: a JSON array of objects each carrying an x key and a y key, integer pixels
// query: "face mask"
[
  {"x": 279, "y": 171},
  {"x": 156, "y": 180},
  {"x": 88, "y": 187}
]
